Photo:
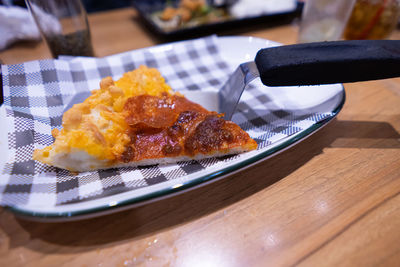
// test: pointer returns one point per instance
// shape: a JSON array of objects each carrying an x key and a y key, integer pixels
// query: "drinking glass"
[
  {"x": 372, "y": 19},
  {"x": 324, "y": 20},
  {"x": 64, "y": 26}
]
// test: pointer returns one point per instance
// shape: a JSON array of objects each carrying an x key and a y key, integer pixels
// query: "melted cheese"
[{"x": 97, "y": 126}]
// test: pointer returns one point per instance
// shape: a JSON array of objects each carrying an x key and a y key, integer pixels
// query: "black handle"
[{"x": 329, "y": 62}]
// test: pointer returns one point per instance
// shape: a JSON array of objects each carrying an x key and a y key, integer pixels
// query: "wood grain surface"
[{"x": 331, "y": 200}]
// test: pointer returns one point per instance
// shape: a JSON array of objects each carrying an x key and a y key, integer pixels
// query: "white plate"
[{"x": 327, "y": 99}]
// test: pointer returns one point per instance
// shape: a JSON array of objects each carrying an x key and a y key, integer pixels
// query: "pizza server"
[{"x": 313, "y": 64}]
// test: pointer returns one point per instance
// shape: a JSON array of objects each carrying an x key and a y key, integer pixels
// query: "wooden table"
[{"x": 330, "y": 200}]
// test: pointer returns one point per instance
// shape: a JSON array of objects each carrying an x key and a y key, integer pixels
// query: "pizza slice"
[{"x": 139, "y": 120}]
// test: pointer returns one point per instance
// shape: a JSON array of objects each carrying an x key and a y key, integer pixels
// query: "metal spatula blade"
[
  {"x": 313, "y": 64},
  {"x": 230, "y": 93}
]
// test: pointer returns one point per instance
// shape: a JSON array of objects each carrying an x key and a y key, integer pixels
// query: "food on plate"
[
  {"x": 186, "y": 10},
  {"x": 189, "y": 13},
  {"x": 139, "y": 120}
]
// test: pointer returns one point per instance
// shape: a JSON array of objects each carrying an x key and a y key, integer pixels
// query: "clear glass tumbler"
[
  {"x": 324, "y": 20},
  {"x": 64, "y": 26}
]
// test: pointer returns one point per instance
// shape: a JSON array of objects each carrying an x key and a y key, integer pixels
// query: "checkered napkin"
[{"x": 36, "y": 94}]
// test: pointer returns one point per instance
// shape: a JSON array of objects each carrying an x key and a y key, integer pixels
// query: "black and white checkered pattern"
[{"x": 36, "y": 93}]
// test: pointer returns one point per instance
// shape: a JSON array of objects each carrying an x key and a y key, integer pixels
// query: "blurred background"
[
  {"x": 169, "y": 20},
  {"x": 90, "y": 5}
]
